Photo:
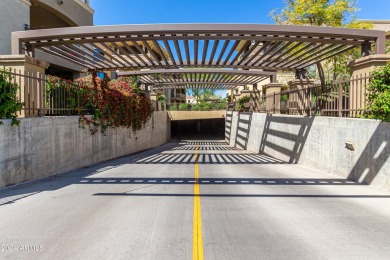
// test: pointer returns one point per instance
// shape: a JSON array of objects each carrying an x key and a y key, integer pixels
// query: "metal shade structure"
[
  {"x": 172, "y": 46},
  {"x": 199, "y": 78}
]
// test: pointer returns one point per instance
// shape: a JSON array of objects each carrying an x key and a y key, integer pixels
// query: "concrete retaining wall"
[
  {"x": 41, "y": 147},
  {"x": 317, "y": 142},
  {"x": 195, "y": 115}
]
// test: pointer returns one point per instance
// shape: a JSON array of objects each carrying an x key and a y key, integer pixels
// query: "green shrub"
[
  {"x": 284, "y": 97},
  {"x": 379, "y": 94},
  {"x": 173, "y": 107},
  {"x": 183, "y": 107},
  {"x": 242, "y": 101},
  {"x": 195, "y": 107},
  {"x": 205, "y": 106},
  {"x": 9, "y": 102},
  {"x": 221, "y": 105},
  {"x": 161, "y": 98}
]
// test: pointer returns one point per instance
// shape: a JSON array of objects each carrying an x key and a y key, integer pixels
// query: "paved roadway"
[{"x": 143, "y": 207}]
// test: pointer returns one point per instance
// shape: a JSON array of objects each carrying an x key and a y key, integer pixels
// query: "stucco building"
[{"x": 20, "y": 15}]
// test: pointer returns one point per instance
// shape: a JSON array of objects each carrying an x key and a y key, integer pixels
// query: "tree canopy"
[
  {"x": 334, "y": 13},
  {"x": 202, "y": 95}
]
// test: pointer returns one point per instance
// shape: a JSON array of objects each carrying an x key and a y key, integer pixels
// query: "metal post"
[
  {"x": 380, "y": 45},
  {"x": 308, "y": 101},
  {"x": 340, "y": 103},
  {"x": 366, "y": 49}
]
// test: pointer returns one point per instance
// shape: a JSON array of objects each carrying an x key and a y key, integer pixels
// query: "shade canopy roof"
[
  {"x": 199, "y": 78},
  {"x": 172, "y": 46}
]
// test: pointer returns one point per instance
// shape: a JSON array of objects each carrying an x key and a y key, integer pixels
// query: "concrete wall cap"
[
  {"x": 23, "y": 58},
  {"x": 273, "y": 85},
  {"x": 249, "y": 91},
  {"x": 369, "y": 59},
  {"x": 301, "y": 81},
  {"x": 40, "y": 63}
]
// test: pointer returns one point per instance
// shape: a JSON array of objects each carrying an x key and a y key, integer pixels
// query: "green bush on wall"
[
  {"x": 9, "y": 102},
  {"x": 173, "y": 107},
  {"x": 204, "y": 106},
  {"x": 242, "y": 101},
  {"x": 379, "y": 94},
  {"x": 195, "y": 107},
  {"x": 183, "y": 106},
  {"x": 162, "y": 99}
]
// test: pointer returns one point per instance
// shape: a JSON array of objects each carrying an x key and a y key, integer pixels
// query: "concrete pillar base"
[
  {"x": 366, "y": 65},
  {"x": 32, "y": 89},
  {"x": 362, "y": 69}
]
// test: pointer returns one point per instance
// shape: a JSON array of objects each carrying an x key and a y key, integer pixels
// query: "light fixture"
[
  {"x": 350, "y": 146},
  {"x": 60, "y": 2}
]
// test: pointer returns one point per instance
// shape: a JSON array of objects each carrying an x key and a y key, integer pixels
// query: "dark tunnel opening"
[{"x": 203, "y": 129}]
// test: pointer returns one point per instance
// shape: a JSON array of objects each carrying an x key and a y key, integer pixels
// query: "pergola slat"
[
  {"x": 299, "y": 53},
  {"x": 281, "y": 46},
  {"x": 139, "y": 48},
  {"x": 178, "y": 52},
  {"x": 157, "y": 46},
  {"x": 215, "y": 45},
  {"x": 134, "y": 53},
  {"x": 246, "y": 55},
  {"x": 199, "y": 77},
  {"x": 125, "y": 54},
  {"x": 65, "y": 57},
  {"x": 225, "y": 45},
  {"x": 98, "y": 55},
  {"x": 205, "y": 48},
  {"x": 84, "y": 56},
  {"x": 169, "y": 51},
  {"x": 316, "y": 49},
  {"x": 114, "y": 55},
  {"x": 243, "y": 48},
  {"x": 156, "y": 59}
]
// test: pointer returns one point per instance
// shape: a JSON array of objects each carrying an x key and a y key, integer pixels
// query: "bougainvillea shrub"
[{"x": 117, "y": 103}]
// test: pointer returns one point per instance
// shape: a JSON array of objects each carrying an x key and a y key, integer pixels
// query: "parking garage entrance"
[{"x": 200, "y": 129}]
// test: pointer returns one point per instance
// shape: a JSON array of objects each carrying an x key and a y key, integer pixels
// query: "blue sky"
[
  {"x": 207, "y": 11},
  {"x": 210, "y": 11}
]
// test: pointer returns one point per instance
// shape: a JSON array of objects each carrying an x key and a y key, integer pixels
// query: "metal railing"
[
  {"x": 342, "y": 98},
  {"x": 36, "y": 97}
]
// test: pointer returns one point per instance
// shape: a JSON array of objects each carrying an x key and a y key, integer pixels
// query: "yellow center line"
[{"x": 197, "y": 240}]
